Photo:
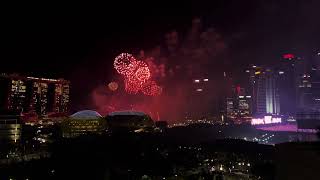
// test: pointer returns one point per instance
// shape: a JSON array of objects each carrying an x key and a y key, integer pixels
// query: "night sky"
[{"x": 79, "y": 41}]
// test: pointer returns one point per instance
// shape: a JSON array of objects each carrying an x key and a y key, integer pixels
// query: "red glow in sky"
[
  {"x": 288, "y": 56},
  {"x": 238, "y": 89}
]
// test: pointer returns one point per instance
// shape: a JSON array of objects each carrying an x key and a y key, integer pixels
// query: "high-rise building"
[
  {"x": 290, "y": 68},
  {"x": 31, "y": 94},
  {"x": 272, "y": 93},
  {"x": 39, "y": 98},
  {"x": 264, "y": 91},
  {"x": 17, "y": 95},
  {"x": 304, "y": 93},
  {"x": 300, "y": 82},
  {"x": 200, "y": 94},
  {"x": 64, "y": 105},
  {"x": 238, "y": 105},
  {"x": 315, "y": 80}
]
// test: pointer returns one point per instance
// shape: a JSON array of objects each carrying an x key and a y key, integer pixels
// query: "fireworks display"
[
  {"x": 113, "y": 86},
  {"x": 125, "y": 64},
  {"x": 136, "y": 75},
  {"x": 151, "y": 89},
  {"x": 132, "y": 85},
  {"x": 160, "y": 80}
]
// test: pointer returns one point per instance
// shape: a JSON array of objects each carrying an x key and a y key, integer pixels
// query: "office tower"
[
  {"x": 238, "y": 105},
  {"x": 264, "y": 90},
  {"x": 290, "y": 68},
  {"x": 272, "y": 95}
]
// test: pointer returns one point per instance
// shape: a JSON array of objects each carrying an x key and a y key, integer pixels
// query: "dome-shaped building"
[
  {"x": 84, "y": 122},
  {"x": 129, "y": 120},
  {"x": 86, "y": 114}
]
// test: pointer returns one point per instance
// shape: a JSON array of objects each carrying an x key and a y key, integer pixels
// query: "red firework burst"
[
  {"x": 125, "y": 64},
  {"x": 136, "y": 75},
  {"x": 132, "y": 85},
  {"x": 151, "y": 89},
  {"x": 142, "y": 73}
]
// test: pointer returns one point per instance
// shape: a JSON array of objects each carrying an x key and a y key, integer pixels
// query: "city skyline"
[
  {"x": 93, "y": 39},
  {"x": 212, "y": 89}
]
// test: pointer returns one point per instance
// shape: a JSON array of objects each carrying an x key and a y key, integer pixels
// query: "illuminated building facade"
[
  {"x": 39, "y": 98},
  {"x": 130, "y": 121},
  {"x": 17, "y": 95},
  {"x": 83, "y": 122},
  {"x": 238, "y": 105},
  {"x": 77, "y": 127},
  {"x": 61, "y": 97},
  {"x": 272, "y": 95},
  {"x": 31, "y": 94},
  {"x": 263, "y": 85},
  {"x": 10, "y": 126}
]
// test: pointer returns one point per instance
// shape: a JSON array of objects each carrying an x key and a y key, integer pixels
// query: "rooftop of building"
[
  {"x": 127, "y": 113},
  {"x": 86, "y": 114}
]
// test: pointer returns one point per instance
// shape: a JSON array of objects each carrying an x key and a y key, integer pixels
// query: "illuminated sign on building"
[{"x": 265, "y": 120}]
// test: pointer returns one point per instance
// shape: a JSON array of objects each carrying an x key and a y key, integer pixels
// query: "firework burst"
[{"x": 136, "y": 75}]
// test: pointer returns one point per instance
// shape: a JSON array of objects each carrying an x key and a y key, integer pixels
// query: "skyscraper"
[
  {"x": 264, "y": 90},
  {"x": 31, "y": 94},
  {"x": 272, "y": 93},
  {"x": 238, "y": 105},
  {"x": 61, "y": 97},
  {"x": 39, "y": 99},
  {"x": 17, "y": 95},
  {"x": 291, "y": 69}
]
